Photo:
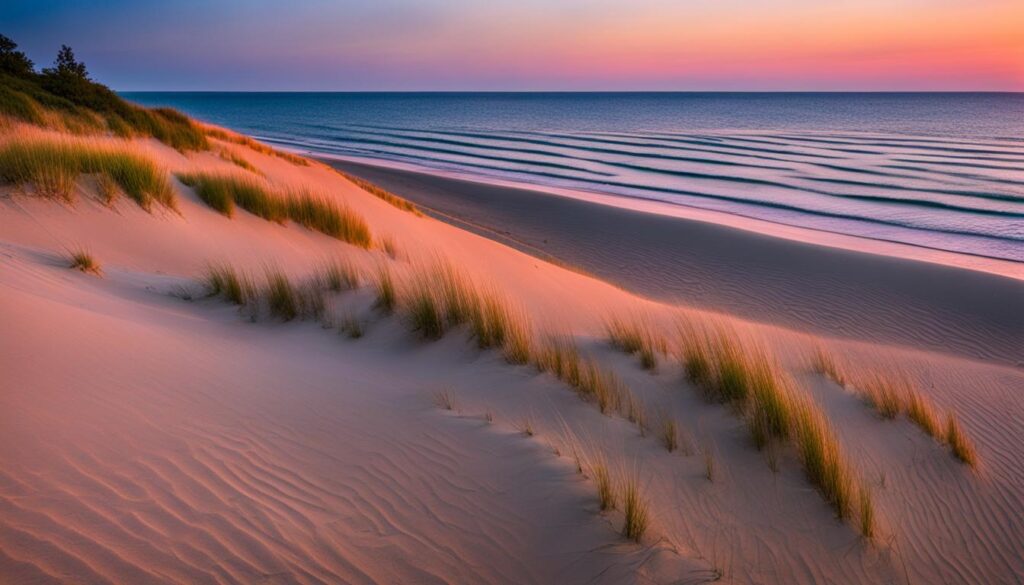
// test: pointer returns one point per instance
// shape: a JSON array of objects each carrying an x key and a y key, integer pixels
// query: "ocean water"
[{"x": 943, "y": 171}]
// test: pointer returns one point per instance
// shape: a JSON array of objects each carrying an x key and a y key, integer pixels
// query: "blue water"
[{"x": 943, "y": 171}]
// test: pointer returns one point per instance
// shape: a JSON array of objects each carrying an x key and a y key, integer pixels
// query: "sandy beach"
[
  {"x": 821, "y": 289},
  {"x": 226, "y": 363}
]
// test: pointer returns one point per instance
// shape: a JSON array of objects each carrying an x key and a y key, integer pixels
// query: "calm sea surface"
[{"x": 943, "y": 171}]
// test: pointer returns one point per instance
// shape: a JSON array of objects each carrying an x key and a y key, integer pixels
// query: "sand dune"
[{"x": 148, "y": 438}]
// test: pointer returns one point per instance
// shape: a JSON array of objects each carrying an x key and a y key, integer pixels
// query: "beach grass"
[
  {"x": 232, "y": 137},
  {"x": 385, "y": 292},
  {"x": 637, "y": 336},
  {"x": 923, "y": 413},
  {"x": 669, "y": 434},
  {"x": 52, "y": 166},
  {"x": 826, "y": 364},
  {"x": 239, "y": 161},
  {"x": 82, "y": 260},
  {"x": 222, "y": 192},
  {"x": 281, "y": 295},
  {"x": 886, "y": 395},
  {"x": 824, "y": 462},
  {"x": 866, "y": 513},
  {"x": 606, "y": 494},
  {"x": 634, "y": 509},
  {"x": 225, "y": 281},
  {"x": 961, "y": 446},
  {"x": 382, "y": 194},
  {"x": 445, "y": 399},
  {"x": 337, "y": 275}
]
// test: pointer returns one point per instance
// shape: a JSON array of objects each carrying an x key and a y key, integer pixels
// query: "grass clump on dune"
[
  {"x": 227, "y": 136},
  {"x": 959, "y": 443},
  {"x": 886, "y": 395},
  {"x": 84, "y": 261},
  {"x": 634, "y": 510},
  {"x": 223, "y": 192},
  {"x": 52, "y": 167},
  {"x": 386, "y": 295},
  {"x": 823, "y": 459},
  {"x": 441, "y": 298},
  {"x": 338, "y": 276},
  {"x": 637, "y": 337},
  {"x": 669, "y": 434},
  {"x": 825, "y": 364},
  {"x": 387, "y": 196},
  {"x": 224, "y": 281},
  {"x": 239, "y": 161},
  {"x": 606, "y": 496},
  {"x": 320, "y": 214},
  {"x": 922, "y": 412},
  {"x": 762, "y": 395}
]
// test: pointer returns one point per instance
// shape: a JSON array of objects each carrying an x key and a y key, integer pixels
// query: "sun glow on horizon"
[{"x": 530, "y": 44}]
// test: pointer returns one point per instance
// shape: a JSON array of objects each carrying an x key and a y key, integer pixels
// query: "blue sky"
[{"x": 532, "y": 44}]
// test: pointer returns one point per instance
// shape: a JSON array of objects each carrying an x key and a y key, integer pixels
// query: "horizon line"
[{"x": 585, "y": 91}]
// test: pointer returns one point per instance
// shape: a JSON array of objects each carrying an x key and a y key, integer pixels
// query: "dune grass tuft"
[
  {"x": 239, "y": 161},
  {"x": 351, "y": 325},
  {"x": 337, "y": 275},
  {"x": 82, "y": 260},
  {"x": 386, "y": 295},
  {"x": 710, "y": 465},
  {"x": 445, "y": 399},
  {"x": 228, "y": 136},
  {"x": 922, "y": 412},
  {"x": 866, "y": 509},
  {"x": 282, "y": 297},
  {"x": 52, "y": 166},
  {"x": 223, "y": 192},
  {"x": 823, "y": 459},
  {"x": 223, "y": 280},
  {"x": 320, "y": 214},
  {"x": 390, "y": 247},
  {"x": 637, "y": 336},
  {"x": 386, "y": 196},
  {"x": 669, "y": 434},
  {"x": 825, "y": 364},
  {"x": 886, "y": 395},
  {"x": 439, "y": 298},
  {"x": 634, "y": 509},
  {"x": 959, "y": 443},
  {"x": 606, "y": 496}
]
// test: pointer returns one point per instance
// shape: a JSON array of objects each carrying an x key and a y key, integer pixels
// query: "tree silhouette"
[{"x": 13, "y": 61}]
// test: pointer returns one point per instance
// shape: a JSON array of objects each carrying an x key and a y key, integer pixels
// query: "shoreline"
[{"x": 808, "y": 286}]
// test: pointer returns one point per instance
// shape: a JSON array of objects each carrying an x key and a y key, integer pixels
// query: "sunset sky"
[{"x": 532, "y": 44}]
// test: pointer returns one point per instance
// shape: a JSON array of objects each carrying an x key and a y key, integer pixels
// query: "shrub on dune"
[{"x": 52, "y": 166}]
